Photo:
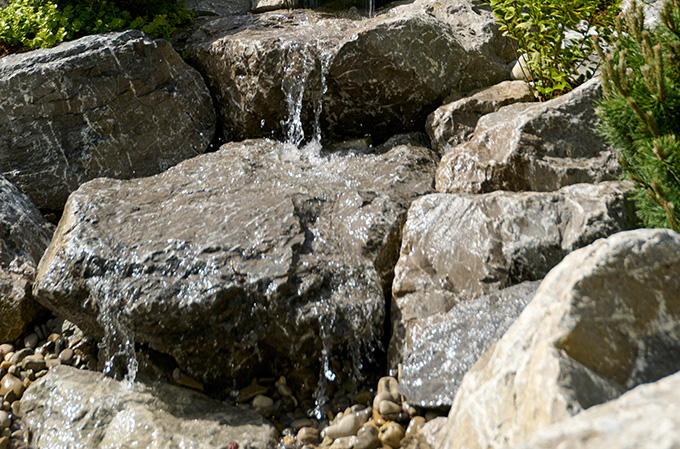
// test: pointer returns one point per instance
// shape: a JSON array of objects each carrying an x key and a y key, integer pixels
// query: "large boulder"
[
  {"x": 532, "y": 146},
  {"x": 376, "y": 76},
  {"x": 441, "y": 349},
  {"x": 603, "y": 321},
  {"x": 259, "y": 258},
  {"x": 78, "y": 408},
  {"x": 454, "y": 123},
  {"x": 647, "y": 417},
  {"x": 118, "y": 105},
  {"x": 24, "y": 236},
  {"x": 457, "y": 247}
]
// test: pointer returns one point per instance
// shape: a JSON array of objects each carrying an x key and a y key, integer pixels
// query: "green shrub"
[
  {"x": 30, "y": 24},
  {"x": 640, "y": 111},
  {"x": 555, "y": 37}
]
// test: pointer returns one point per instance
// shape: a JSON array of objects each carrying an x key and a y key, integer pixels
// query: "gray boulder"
[
  {"x": 605, "y": 320},
  {"x": 118, "y": 105},
  {"x": 441, "y": 348},
  {"x": 647, "y": 417},
  {"x": 453, "y": 123},
  {"x": 347, "y": 78},
  {"x": 71, "y": 408},
  {"x": 256, "y": 259},
  {"x": 24, "y": 236},
  {"x": 538, "y": 146}
]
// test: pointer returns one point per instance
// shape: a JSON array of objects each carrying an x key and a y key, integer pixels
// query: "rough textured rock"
[
  {"x": 440, "y": 349},
  {"x": 376, "y": 76},
  {"x": 428, "y": 437},
  {"x": 283, "y": 251},
  {"x": 219, "y": 7},
  {"x": 459, "y": 247},
  {"x": 603, "y": 321},
  {"x": 539, "y": 146},
  {"x": 259, "y": 6},
  {"x": 647, "y": 417},
  {"x": 117, "y": 105},
  {"x": 76, "y": 408},
  {"x": 24, "y": 236},
  {"x": 453, "y": 123}
]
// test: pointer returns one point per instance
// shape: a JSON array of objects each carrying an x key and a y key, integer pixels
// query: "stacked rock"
[{"x": 29, "y": 358}]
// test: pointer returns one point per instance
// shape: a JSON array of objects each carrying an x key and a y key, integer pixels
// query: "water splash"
[{"x": 118, "y": 345}]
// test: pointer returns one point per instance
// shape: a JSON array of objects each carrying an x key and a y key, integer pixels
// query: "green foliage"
[
  {"x": 641, "y": 111},
  {"x": 555, "y": 37},
  {"x": 44, "y": 23}
]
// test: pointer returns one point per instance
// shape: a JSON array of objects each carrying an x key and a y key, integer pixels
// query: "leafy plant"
[
  {"x": 555, "y": 37},
  {"x": 28, "y": 24},
  {"x": 640, "y": 111}
]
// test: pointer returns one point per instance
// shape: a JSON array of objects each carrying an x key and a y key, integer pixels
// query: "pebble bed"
[
  {"x": 29, "y": 358},
  {"x": 368, "y": 419}
]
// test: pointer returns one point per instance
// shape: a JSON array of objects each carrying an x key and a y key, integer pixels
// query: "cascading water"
[{"x": 118, "y": 345}]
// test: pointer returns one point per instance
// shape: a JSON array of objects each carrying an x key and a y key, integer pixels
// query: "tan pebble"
[
  {"x": 6, "y": 348},
  {"x": 14, "y": 370},
  {"x": 249, "y": 392},
  {"x": 5, "y": 365},
  {"x": 34, "y": 362},
  {"x": 391, "y": 434},
  {"x": 378, "y": 419},
  {"x": 186, "y": 381},
  {"x": 18, "y": 435},
  {"x": 288, "y": 441},
  {"x": 6, "y": 406},
  {"x": 389, "y": 385},
  {"x": 53, "y": 337},
  {"x": 347, "y": 442},
  {"x": 27, "y": 383},
  {"x": 40, "y": 374},
  {"x": 384, "y": 396},
  {"x": 308, "y": 435},
  {"x": 367, "y": 437},
  {"x": 345, "y": 426},
  {"x": 416, "y": 423},
  {"x": 31, "y": 341},
  {"x": 263, "y": 404},
  {"x": 5, "y": 420},
  {"x": 16, "y": 409},
  {"x": 4, "y": 442},
  {"x": 13, "y": 384},
  {"x": 389, "y": 408},
  {"x": 51, "y": 363}
]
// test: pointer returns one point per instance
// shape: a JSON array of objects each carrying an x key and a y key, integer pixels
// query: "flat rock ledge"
[{"x": 69, "y": 407}]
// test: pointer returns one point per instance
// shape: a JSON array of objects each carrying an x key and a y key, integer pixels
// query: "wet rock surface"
[
  {"x": 24, "y": 236},
  {"x": 605, "y": 320},
  {"x": 78, "y": 408},
  {"x": 454, "y": 123},
  {"x": 459, "y": 247},
  {"x": 540, "y": 147},
  {"x": 645, "y": 417},
  {"x": 378, "y": 76},
  {"x": 119, "y": 105},
  {"x": 440, "y": 349},
  {"x": 218, "y": 7},
  {"x": 285, "y": 253}
]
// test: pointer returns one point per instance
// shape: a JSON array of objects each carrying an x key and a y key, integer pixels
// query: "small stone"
[
  {"x": 389, "y": 385},
  {"x": 5, "y": 349},
  {"x": 11, "y": 384},
  {"x": 368, "y": 437},
  {"x": 249, "y": 392},
  {"x": 29, "y": 374},
  {"x": 387, "y": 408},
  {"x": 20, "y": 355},
  {"x": 34, "y": 362},
  {"x": 4, "y": 442},
  {"x": 263, "y": 404},
  {"x": 40, "y": 374},
  {"x": 31, "y": 341},
  {"x": 5, "y": 420},
  {"x": 345, "y": 426},
  {"x": 378, "y": 418},
  {"x": 50, "y": 363},
  {"x": 6, "y": 406},
  {"x": 308, "y": 435},
  {"x": 520, "y": 69},
  {"x": 16, "y": 409},
  {"x": 8, "y": 356},
  {"x": 5, "y": 365},
  {"x": 391, "y": 434},
  {"x": 298, "y": 424},
  {"x": 347, "y": 442},
  {"x": 384, "y": 396},
  {"x": 66, "y": 357},
  {"x": 416, "y": 423},
  {"x": 27, "y": 383},
  {"x": 14, "y": 370},
  {"x": 39, "y": 332}
]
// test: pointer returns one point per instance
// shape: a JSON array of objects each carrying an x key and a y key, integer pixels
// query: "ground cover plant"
[
  {"x": 641, "y": 111},
  {"x": 29, "y": 24},
  {"x": 555, "y": 38}
]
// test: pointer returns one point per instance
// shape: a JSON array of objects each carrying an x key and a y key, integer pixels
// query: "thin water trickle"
[{"x": 117, "y": 344}]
